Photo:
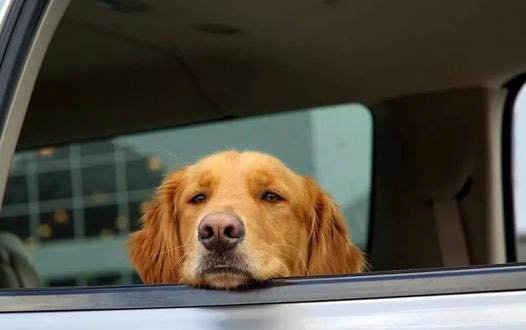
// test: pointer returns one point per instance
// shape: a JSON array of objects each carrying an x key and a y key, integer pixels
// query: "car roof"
[{"x": 226, "y": 59}]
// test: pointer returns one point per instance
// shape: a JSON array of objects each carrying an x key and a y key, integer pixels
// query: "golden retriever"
[{"x": 239, "y": 217}]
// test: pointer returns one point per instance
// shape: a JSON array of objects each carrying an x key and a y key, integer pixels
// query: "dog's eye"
[
  {"x": 271, "y": 197},
  {"x": 198, "y": 198}
]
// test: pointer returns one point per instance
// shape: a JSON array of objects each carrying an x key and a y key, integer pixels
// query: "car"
[{"x": 406, "y": 112}]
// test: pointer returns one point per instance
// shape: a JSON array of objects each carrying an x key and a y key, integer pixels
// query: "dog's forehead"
[
  {"x": 241, "y": 160},
  {"x": 241, "y": 163}
]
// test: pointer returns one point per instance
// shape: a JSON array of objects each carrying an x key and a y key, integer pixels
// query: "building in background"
[{"x": 76, "y": 194}]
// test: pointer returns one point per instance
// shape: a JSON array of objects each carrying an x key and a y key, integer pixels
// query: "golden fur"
[{"x": 302, "y": 234}]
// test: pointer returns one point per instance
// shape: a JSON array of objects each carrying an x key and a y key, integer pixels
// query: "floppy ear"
[
  {"x": 155, "y": 250},
  {"x": 330, "y": 249}
]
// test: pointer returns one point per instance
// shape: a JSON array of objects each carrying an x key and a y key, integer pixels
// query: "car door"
[{"x": 467, "y": 297}]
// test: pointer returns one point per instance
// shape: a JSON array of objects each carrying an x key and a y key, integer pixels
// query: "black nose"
[{"x": 220, "y": 232}]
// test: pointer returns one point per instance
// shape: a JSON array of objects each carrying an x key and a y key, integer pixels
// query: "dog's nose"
[{"x": 220, "y": 232}]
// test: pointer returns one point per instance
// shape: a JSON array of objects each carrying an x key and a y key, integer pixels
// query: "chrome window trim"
[
  {"x": 495, "y": 310},
  {"x": 16, "y": 109},
  {"x": 507, "y": 277}
]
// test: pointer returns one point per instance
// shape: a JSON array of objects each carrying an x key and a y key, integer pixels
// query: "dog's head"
[{"x": 236, "y": 217}]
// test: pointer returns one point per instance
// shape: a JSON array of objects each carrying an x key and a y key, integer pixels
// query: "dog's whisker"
[
  {"x": 173, "y": 249},
  {"x": 181, "y": 160},
  {"x": 184, "y": 162},
  {"x": 274, "y": 258},
  {"x": 277, "y": 250},
  {"x": 288, "y": 256},
  {"x": 182, "y": 258},
  {"x": 302, "y": 260}
]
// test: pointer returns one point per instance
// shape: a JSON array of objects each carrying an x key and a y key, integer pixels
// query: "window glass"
[
  {"x": 74, "y": 204},
  {"x": 519, "y": 171}
]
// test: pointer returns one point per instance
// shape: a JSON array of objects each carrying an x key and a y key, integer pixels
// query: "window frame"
[
  {"x": 29, "y": 27},
  {"x": 27, "y": 32},
  {"x": 396, "y": 284},
  {"x": 513, "y": 87}
]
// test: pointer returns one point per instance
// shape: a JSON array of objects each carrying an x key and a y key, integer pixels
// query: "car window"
[
  {"x": 74, "y": 204},
  {"x": 519, "y": 171}
]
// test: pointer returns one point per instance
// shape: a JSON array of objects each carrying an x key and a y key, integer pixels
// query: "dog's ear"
[
  {"x": 330, "y": 249},
  {"x": 155, "y": 250}
]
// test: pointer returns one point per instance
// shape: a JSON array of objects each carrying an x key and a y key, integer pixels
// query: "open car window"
[{"x": 74, "y": 204}]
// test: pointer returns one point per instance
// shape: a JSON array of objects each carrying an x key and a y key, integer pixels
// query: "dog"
[{"x": 235, "y": 218}]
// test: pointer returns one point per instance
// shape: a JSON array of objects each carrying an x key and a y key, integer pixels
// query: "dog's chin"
[
  {"x": 225, "y": 280},
  {"x": 223, "y": 271}
]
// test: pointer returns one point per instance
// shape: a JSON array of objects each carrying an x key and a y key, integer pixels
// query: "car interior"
[{"x": 410, "y": 99}]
